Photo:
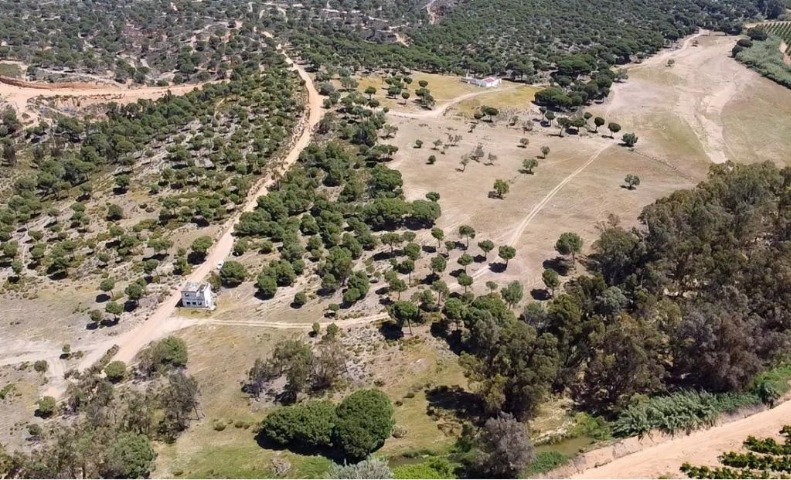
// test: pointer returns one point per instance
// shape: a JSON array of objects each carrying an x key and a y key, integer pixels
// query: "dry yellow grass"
[
  {"x": 516, "y": 97},
  {"x": 443, "y": 87}
]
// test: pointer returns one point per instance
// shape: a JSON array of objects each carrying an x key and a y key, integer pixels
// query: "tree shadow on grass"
[
  {"x": 462, "y": 404},
  {"x": 557, "y": 264},
  {"x": 102, "y": 297},
  {"x": 328, "y": 452},
  {"x": 497, "y": 267},
  {"x": 540, "y": 294}
]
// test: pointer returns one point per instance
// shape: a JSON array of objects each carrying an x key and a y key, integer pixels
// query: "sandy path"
[
  {"x": 700, "y": 448},
  {"x": 159, "y": 323},
  {"x": 346, "y": 322},
  {"x": 432, "y": 17}
]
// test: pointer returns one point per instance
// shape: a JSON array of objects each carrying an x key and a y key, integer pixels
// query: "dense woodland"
[
  {"x": 161, "y": 41},
  {"x": 523, "y": 39},
  {"x": 145, "y": 42},
  {"x": 693, "y": 301}
]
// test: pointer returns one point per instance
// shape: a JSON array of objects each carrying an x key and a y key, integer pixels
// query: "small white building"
[
  {"x": 197, "y": 295},
  {"x": 488, "y": 82}
]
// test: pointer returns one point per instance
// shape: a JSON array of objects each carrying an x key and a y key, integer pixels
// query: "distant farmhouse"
[
  {"x": 488, "y": 82},
  {"x": 197, "y": 295}
]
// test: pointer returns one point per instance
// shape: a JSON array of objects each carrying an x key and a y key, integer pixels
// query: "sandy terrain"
[{"x": 22, "y": 94}]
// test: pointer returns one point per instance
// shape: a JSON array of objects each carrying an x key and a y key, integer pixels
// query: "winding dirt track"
[{"x": 160, "y": 323}]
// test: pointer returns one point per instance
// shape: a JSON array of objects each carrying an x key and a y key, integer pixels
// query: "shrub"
[
  {"x": 130, "y": 456},
  {"x": 41, "y": 366},
  {"x": 171, "y": 351},
  {"x": 433, "y": 468},
  {"x": 300, "y": 299},
  {"x": 115, "y": 371},
  {"x": 370, "y": 468},
  {"x": 332, "y": 330},
  {"x": 365, "y": 420},
  {"x": 46, "y": 407},
  {"x": 681, "y": 411},
  {"x": 168, "y": 352},
  {"x": 546, "y": 461},
  {"x": 232, "y": 273},
  {"x": 310, "y": 423},
  {"x": 34, "y": 430}
]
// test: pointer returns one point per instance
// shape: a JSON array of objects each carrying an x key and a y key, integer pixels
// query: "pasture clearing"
[
  {"x": 511, "y": 97},
  {"x": 705, "y": 106},
  {"x": 404, "y": 372}
]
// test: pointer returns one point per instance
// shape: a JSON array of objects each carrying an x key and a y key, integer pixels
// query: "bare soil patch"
[
  {"x": 23, "y": 95},
  {"x": 705, "y": 107}
]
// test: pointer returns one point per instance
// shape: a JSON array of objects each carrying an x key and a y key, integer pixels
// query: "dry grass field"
[{"x": 511, "y": 97}]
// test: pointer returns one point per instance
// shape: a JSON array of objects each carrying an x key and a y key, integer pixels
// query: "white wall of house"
[{"x": 200, "y": 298}]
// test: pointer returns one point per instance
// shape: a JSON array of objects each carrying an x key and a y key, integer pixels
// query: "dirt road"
[
  {"x": 156, "y": 326},
  {"x": 700, "y": 448},
  {"x": 19, "y": 96}
]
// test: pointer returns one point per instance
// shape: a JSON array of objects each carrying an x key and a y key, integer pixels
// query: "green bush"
[
  {"x": 46, "y": 406},
  {"x": 309, "y": 424},
  {"x": 115, "y": 371},
  {"x": 776, "y": 377},
  {"x": 370, "y": 468},
  {"x": 434, "y": 468},
  {"x": 41, "y": 366},
  {"x": 767, "y": 59},
  {"x": 300, "y": 299},
  {"x": 365, "y": 420},
  {"x": 681, "y": 411},
  {"x": 232, "y": 273},
  {"x": 130, "y": 456},
  {"x": 586, "y": 425},
  {"x": 170, "y": 351},
  {"x": 545, "y": 461}
]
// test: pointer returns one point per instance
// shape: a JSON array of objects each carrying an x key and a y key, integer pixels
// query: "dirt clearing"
[{"x": 22, "y": 95}]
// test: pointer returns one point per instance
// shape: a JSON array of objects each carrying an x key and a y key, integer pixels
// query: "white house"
[
  {"x": 487, "y": 82},
  {"x": 197, "y": 295}
]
